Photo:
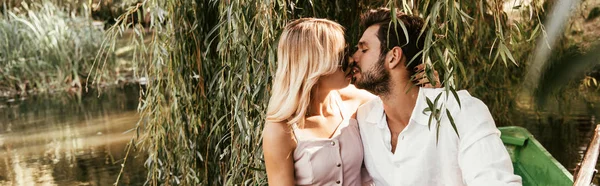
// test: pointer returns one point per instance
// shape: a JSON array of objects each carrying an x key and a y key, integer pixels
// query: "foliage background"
[{"x": 208, "y": 66}]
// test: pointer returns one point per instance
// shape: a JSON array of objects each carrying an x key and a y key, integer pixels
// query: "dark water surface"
[
  {"x": 565, "y": 134},
  {"x": 61, "y": 139}
]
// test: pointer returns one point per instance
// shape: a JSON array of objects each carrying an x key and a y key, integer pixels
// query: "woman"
[{"x": 309, "y": 137}]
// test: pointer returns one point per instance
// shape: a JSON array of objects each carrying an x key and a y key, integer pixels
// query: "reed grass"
[{"x": 44, "y": 48}]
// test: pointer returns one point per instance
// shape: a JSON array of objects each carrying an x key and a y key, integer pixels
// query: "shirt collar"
[
  {"x": 377, "y": 115},
  {"x": 418, "y": 115}
]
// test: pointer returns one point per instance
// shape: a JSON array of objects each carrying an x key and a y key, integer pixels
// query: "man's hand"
[{"x": 420, "y": 78}]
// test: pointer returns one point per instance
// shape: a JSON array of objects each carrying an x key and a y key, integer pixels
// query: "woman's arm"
[
  {"x": 355, "y": 95},
  {"x": 278, "y": 148}
]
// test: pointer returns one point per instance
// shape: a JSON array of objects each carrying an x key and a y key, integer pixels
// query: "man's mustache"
[
  {"x": 351, "y": 65},
  {"x": 348, "y": 66}
]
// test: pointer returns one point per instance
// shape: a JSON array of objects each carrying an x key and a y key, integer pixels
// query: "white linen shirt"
[{"x": 478, "y": 157}]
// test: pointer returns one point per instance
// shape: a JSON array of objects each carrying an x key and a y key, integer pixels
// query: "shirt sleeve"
[{"x": 482, "y": 156}]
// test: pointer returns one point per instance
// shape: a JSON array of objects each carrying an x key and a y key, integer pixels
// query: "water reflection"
[
  {"x": 565, "y": 134},
  {"x": 66, "y": 140}
]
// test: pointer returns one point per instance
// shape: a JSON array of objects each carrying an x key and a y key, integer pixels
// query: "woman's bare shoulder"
[{"x": 279, "y": 134}]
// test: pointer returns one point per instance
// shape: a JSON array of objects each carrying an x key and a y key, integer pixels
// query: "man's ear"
[{"x": 394, "y": 58}]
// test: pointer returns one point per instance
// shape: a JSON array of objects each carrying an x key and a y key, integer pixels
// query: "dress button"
[
  {"x": 339, "y": 165},
  {"x": 333, "y": 143},
  {"x": 338, "y": 182}
]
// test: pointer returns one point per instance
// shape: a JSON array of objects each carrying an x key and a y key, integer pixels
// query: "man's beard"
[{"x": 375, "y": 80}]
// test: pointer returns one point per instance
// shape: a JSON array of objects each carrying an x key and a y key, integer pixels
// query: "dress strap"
[{"x": 295, "y": 130}]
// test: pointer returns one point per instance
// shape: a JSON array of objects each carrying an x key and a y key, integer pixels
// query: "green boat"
[{"x": 531, "y": 160}]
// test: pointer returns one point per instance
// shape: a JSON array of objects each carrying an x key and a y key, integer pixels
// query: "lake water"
[{"x": 61, "y": 139}]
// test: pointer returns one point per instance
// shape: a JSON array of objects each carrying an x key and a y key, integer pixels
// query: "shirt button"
[
  {"x": 333, "y": 143},
  {"x": 338, "y": 182},
  {"x": 339, "y": 165}
]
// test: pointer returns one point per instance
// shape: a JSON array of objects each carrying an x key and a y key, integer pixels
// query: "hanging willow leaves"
[{"x": 209, "y": 64}]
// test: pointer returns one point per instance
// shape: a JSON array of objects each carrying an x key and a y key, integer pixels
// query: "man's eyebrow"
[{"x": 361, "y": 43}]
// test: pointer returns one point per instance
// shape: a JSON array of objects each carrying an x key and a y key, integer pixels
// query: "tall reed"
[{"x": 43, "y": 47}]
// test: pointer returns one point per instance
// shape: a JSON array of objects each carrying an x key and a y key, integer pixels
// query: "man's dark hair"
[{"x": 413, "y": 24}]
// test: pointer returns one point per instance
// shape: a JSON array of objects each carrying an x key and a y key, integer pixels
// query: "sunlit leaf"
[{"x": 452, "y": 122}]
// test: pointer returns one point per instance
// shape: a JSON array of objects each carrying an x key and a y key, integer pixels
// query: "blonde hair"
[{"x": 308, "y": 49}]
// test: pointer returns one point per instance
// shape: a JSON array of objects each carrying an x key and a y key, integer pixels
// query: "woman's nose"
[{"x": 355, "y": 57}]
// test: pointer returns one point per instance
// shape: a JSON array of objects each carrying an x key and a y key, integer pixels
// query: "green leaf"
[
  {"x": 435, "y": 102},
  {"x": 429, "y": 72},
  {"x": 502, "y": 53},
  {"x": 508, "y": 53},
  {"x": 424, "y": 27},
  {"x": 429, "y": 122},
  {"x": 455, "y": 95},
  {"x": 437, "y": 132},
  {"x": 462, "y": 70},
  {"x": 433, "y": 111},
  {"x": 492, "y": 48},
  {"x": 430, "y": 104},
  {"x": 405, "y": 32},
  {"x": 534, "y": 33},
  {"x": 452, "y": 122},
  {"x": 426, "y": 110},
  {"x": 495, "y": 58},
  {"x": 463, "y": 14}
]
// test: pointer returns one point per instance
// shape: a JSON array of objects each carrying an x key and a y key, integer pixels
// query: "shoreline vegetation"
[{"x": 47, "y": 48}]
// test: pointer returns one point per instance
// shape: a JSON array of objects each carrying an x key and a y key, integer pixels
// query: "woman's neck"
[{"x": 321, "y": 103}]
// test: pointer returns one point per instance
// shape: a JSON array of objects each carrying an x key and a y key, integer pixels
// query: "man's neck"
[{"x": 398, "y": 105}]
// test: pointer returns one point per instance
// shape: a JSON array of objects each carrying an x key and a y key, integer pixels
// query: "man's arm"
[{"x": 482, "y": 156}]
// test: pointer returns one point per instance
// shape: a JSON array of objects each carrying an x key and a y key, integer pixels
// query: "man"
[{"x": 399, "y": 146}]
